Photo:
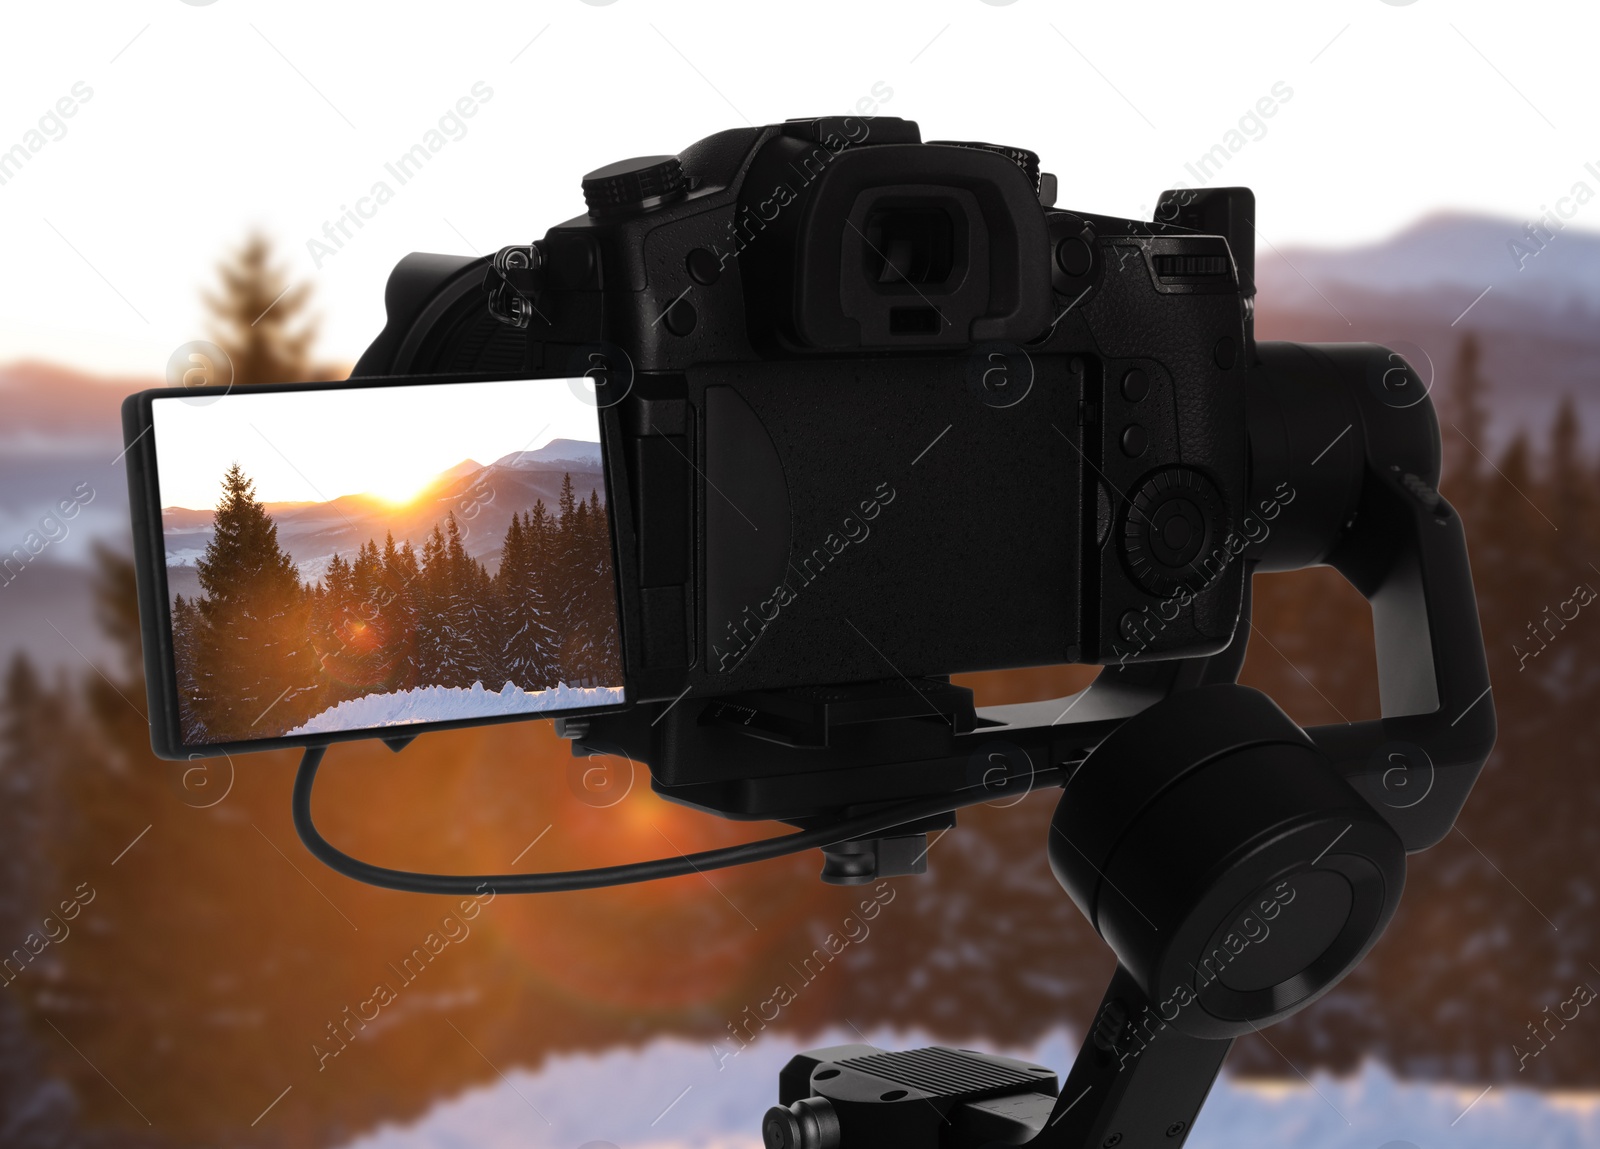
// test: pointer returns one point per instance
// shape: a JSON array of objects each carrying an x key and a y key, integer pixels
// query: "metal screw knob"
[{"x": 810, "y": 1123}]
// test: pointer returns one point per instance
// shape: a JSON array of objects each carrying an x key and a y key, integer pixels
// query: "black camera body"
[{"x": 874, "y": 410}]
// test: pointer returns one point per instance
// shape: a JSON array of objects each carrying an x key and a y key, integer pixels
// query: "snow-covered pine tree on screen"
[
  {"x": 246, "y": 648},
  {"x": 403, "y": 631}
]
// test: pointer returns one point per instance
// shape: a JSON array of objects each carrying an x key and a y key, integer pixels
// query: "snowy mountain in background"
[
  {"x": 562, "y": 452},
  {"x": 1531, "y": 299},
  {"x": 1535, "y": 264},
  {"x": 624, "y": 1099},
  {"x": 465, "y": 467},
  {"x": 483, "y": 499}
]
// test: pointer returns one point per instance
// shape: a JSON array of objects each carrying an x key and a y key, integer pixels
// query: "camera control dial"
[
  {"x": 1175, "y": 523},
  {"x": 640, "y": 184}
]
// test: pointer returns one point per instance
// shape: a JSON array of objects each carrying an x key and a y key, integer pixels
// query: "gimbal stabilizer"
[{"x": 1238, "y": 865}]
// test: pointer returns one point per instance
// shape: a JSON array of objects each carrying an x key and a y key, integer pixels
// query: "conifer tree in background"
[
  {"x": 577, "y": 644},
  {"x": 400, "y": 576},
  {"x": 30, "y": 717},
  {"x": 608, "y": 649},
  {"x": 259, "y": 319},
  {"x": 367, "y": 631},
  {"x": 529, "y": 648},
  {"x": 35, "y": 1108},
  {"x": 87, "y": 743},
  {"x": 545, "y": 555},
  {"x": 457, "y": 642},
  {"x": 365, "y": 620},
  {"x": 185, "y": 629},
  {"x": 567, "y": 502},
  {"x": 255, "y": 674},
  {"x": 433, "y": 654},
  {"x": 1464, "y": 423},
  {"x": 389, "y": 621},
  {"x": 1567, "y": 476},
  {"x": 560, "y": 565},
  {"x": 469, "y": 613},
  {"x": 341, "y": 636},
  {"x": 364, "y": 623},
  {"x": 333, "y": 604},
  {"x": 454, "y": 628},
  {"x": 589, "y": 654},
  {"x": 511, "y": 598},
  {"x": 544, "y": 550}
]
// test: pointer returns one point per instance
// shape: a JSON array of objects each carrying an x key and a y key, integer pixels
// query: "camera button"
[
  {"x": 1074, "y": 256},
  {"x": 1135, "y": 440},
  {"x": 1135, "y": 385},
  {"x": 703, "y": 266},
  {"x": 681, "y": 317}
]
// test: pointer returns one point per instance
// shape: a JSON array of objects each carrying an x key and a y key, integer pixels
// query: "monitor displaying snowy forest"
[{"x": 357, "y": 559}]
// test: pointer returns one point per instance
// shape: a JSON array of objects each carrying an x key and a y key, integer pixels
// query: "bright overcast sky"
[
  {"x": 207, "y": 118},
  {"x": 311, "y": 446}
]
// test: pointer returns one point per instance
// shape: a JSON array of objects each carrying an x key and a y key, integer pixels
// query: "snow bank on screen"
[
  {"x": 452, "y": 704},
  {"x": 625, "y": 1098}
]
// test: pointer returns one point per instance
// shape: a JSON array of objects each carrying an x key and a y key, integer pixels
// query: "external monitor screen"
[{"x": 362, "y": 558}]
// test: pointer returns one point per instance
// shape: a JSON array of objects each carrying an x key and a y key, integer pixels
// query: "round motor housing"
[{"x": 1231, "y": 869}]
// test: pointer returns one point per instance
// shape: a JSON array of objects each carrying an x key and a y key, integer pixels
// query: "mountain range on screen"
[{"x": 482, "y": 497}]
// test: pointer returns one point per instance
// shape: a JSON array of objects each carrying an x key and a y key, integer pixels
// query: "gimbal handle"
[
  {"x": 1349, "y": 428},
  {"x": 1141, "y": 1084}
]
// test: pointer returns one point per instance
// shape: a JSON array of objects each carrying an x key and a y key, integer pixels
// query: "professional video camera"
[{"x": 866, "y": 412}]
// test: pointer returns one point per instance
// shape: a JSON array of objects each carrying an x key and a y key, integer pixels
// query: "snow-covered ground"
[
  {"x": 672, "y": 1095},
  {"x": 451, "y": 704}
]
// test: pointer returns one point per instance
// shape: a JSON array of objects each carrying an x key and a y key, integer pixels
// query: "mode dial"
[{"x": 640, "y": 184}]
